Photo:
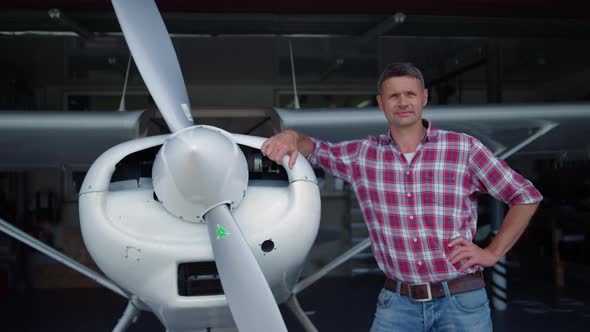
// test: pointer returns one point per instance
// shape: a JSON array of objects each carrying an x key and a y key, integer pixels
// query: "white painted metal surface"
[
  {"x": 37, "y": 140},
  {"x": 197, "y": 169},
  {"x": 247, "y": 292},
  {"x": 139, "y": 244},
  {"x": 554, "y": 128}
]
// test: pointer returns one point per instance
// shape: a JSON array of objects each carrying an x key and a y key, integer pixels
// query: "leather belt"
[{"x": 426, "y": 291}]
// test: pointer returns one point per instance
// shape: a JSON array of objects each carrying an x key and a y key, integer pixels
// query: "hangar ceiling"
[
  {"x": 539, "y": 48},
  {"x": 499, "y": 18}
]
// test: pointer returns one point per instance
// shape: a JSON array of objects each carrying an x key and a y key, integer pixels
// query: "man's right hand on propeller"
[{"x": 281, "y": 144}]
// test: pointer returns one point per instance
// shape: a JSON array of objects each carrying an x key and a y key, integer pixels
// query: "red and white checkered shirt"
[{"x": 414, "y": 210}]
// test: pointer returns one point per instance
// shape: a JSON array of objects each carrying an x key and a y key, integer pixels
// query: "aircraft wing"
[
  {"x": 51, "y": 140},
  {"x": 527, "y": 130}
]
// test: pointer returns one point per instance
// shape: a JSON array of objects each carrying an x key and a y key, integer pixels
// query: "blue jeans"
[{"x": 469, "y": 311}]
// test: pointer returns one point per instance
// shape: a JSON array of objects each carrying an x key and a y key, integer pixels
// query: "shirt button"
[
  {"x": 415, "y": 240},
  {"x": 420, "y": 263},
  {"x": 409, "y": 195},
  {"x": 411, "y": 217},
  {"x": 407, "y": 172}
]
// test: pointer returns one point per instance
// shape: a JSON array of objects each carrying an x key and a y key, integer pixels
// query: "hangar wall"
[
  {"x": 45, "y": 72},
  {"x": 248, "y": 71}
]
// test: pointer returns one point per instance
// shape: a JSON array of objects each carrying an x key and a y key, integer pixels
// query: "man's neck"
[{"x": 408, "y": 138}]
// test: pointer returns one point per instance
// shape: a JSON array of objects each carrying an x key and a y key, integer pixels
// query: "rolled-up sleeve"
[
  {"x": 494, "y": 176},
  {"x": 335, "y": 158}
]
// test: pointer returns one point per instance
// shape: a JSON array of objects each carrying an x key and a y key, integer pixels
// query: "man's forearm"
[{"x": 514, "y": 224}]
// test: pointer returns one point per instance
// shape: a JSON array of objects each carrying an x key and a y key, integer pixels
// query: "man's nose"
[{"x": 403, "y": 101}]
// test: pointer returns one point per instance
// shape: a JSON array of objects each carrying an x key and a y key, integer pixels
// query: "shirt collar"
[{"x": 431, "y": 134}]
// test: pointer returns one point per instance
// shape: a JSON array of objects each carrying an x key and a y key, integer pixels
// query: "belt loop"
[
  {"x": 446, "y": 289},
  {"x": 398, "y": 287}
]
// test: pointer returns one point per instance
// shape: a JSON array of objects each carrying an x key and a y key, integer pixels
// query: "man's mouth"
[{"x": 404, "y": 113}]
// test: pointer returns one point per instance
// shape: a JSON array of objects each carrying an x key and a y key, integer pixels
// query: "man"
[{"x": 417, "y": 187}]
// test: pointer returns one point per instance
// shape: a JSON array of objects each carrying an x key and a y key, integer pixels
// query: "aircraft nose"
[{"x": 197, "y": 169}]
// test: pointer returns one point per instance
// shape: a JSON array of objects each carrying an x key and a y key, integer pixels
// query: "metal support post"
[{"x": 499, "y": 271}]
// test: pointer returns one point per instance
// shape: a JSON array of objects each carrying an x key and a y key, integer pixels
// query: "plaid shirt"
[{"x": 414, "y": 210}]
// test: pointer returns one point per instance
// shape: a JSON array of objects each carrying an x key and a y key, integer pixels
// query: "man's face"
[{"x": 402, "y": 101}]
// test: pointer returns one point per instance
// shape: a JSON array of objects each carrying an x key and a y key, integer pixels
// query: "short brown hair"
[{"x": 398, "y": 69}]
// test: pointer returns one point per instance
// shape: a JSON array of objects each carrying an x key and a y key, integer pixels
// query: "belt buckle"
[{"x": 428, "y": 291}]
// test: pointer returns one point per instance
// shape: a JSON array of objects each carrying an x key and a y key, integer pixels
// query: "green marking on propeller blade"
[{"x": 221, "y": 232}]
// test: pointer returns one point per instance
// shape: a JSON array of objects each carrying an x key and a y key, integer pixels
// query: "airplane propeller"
[
  {"x": 154, "y": 56},
  {"x": 199, "y": 174}
]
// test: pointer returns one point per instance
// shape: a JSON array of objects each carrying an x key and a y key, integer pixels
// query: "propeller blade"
[
  {"x": 250, "y": 299},
  {"x": 154, "y": 55}
]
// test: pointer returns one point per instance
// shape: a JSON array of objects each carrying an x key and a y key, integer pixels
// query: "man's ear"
[
  {"x": 425, "y": 101},
  {"x": 379, "y": 102}
]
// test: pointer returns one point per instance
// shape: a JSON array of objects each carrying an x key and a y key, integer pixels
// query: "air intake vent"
[{"x": 199, "y": 278}]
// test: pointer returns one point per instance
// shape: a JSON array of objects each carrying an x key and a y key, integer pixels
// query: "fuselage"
[{"x": 168, "y": 263}]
